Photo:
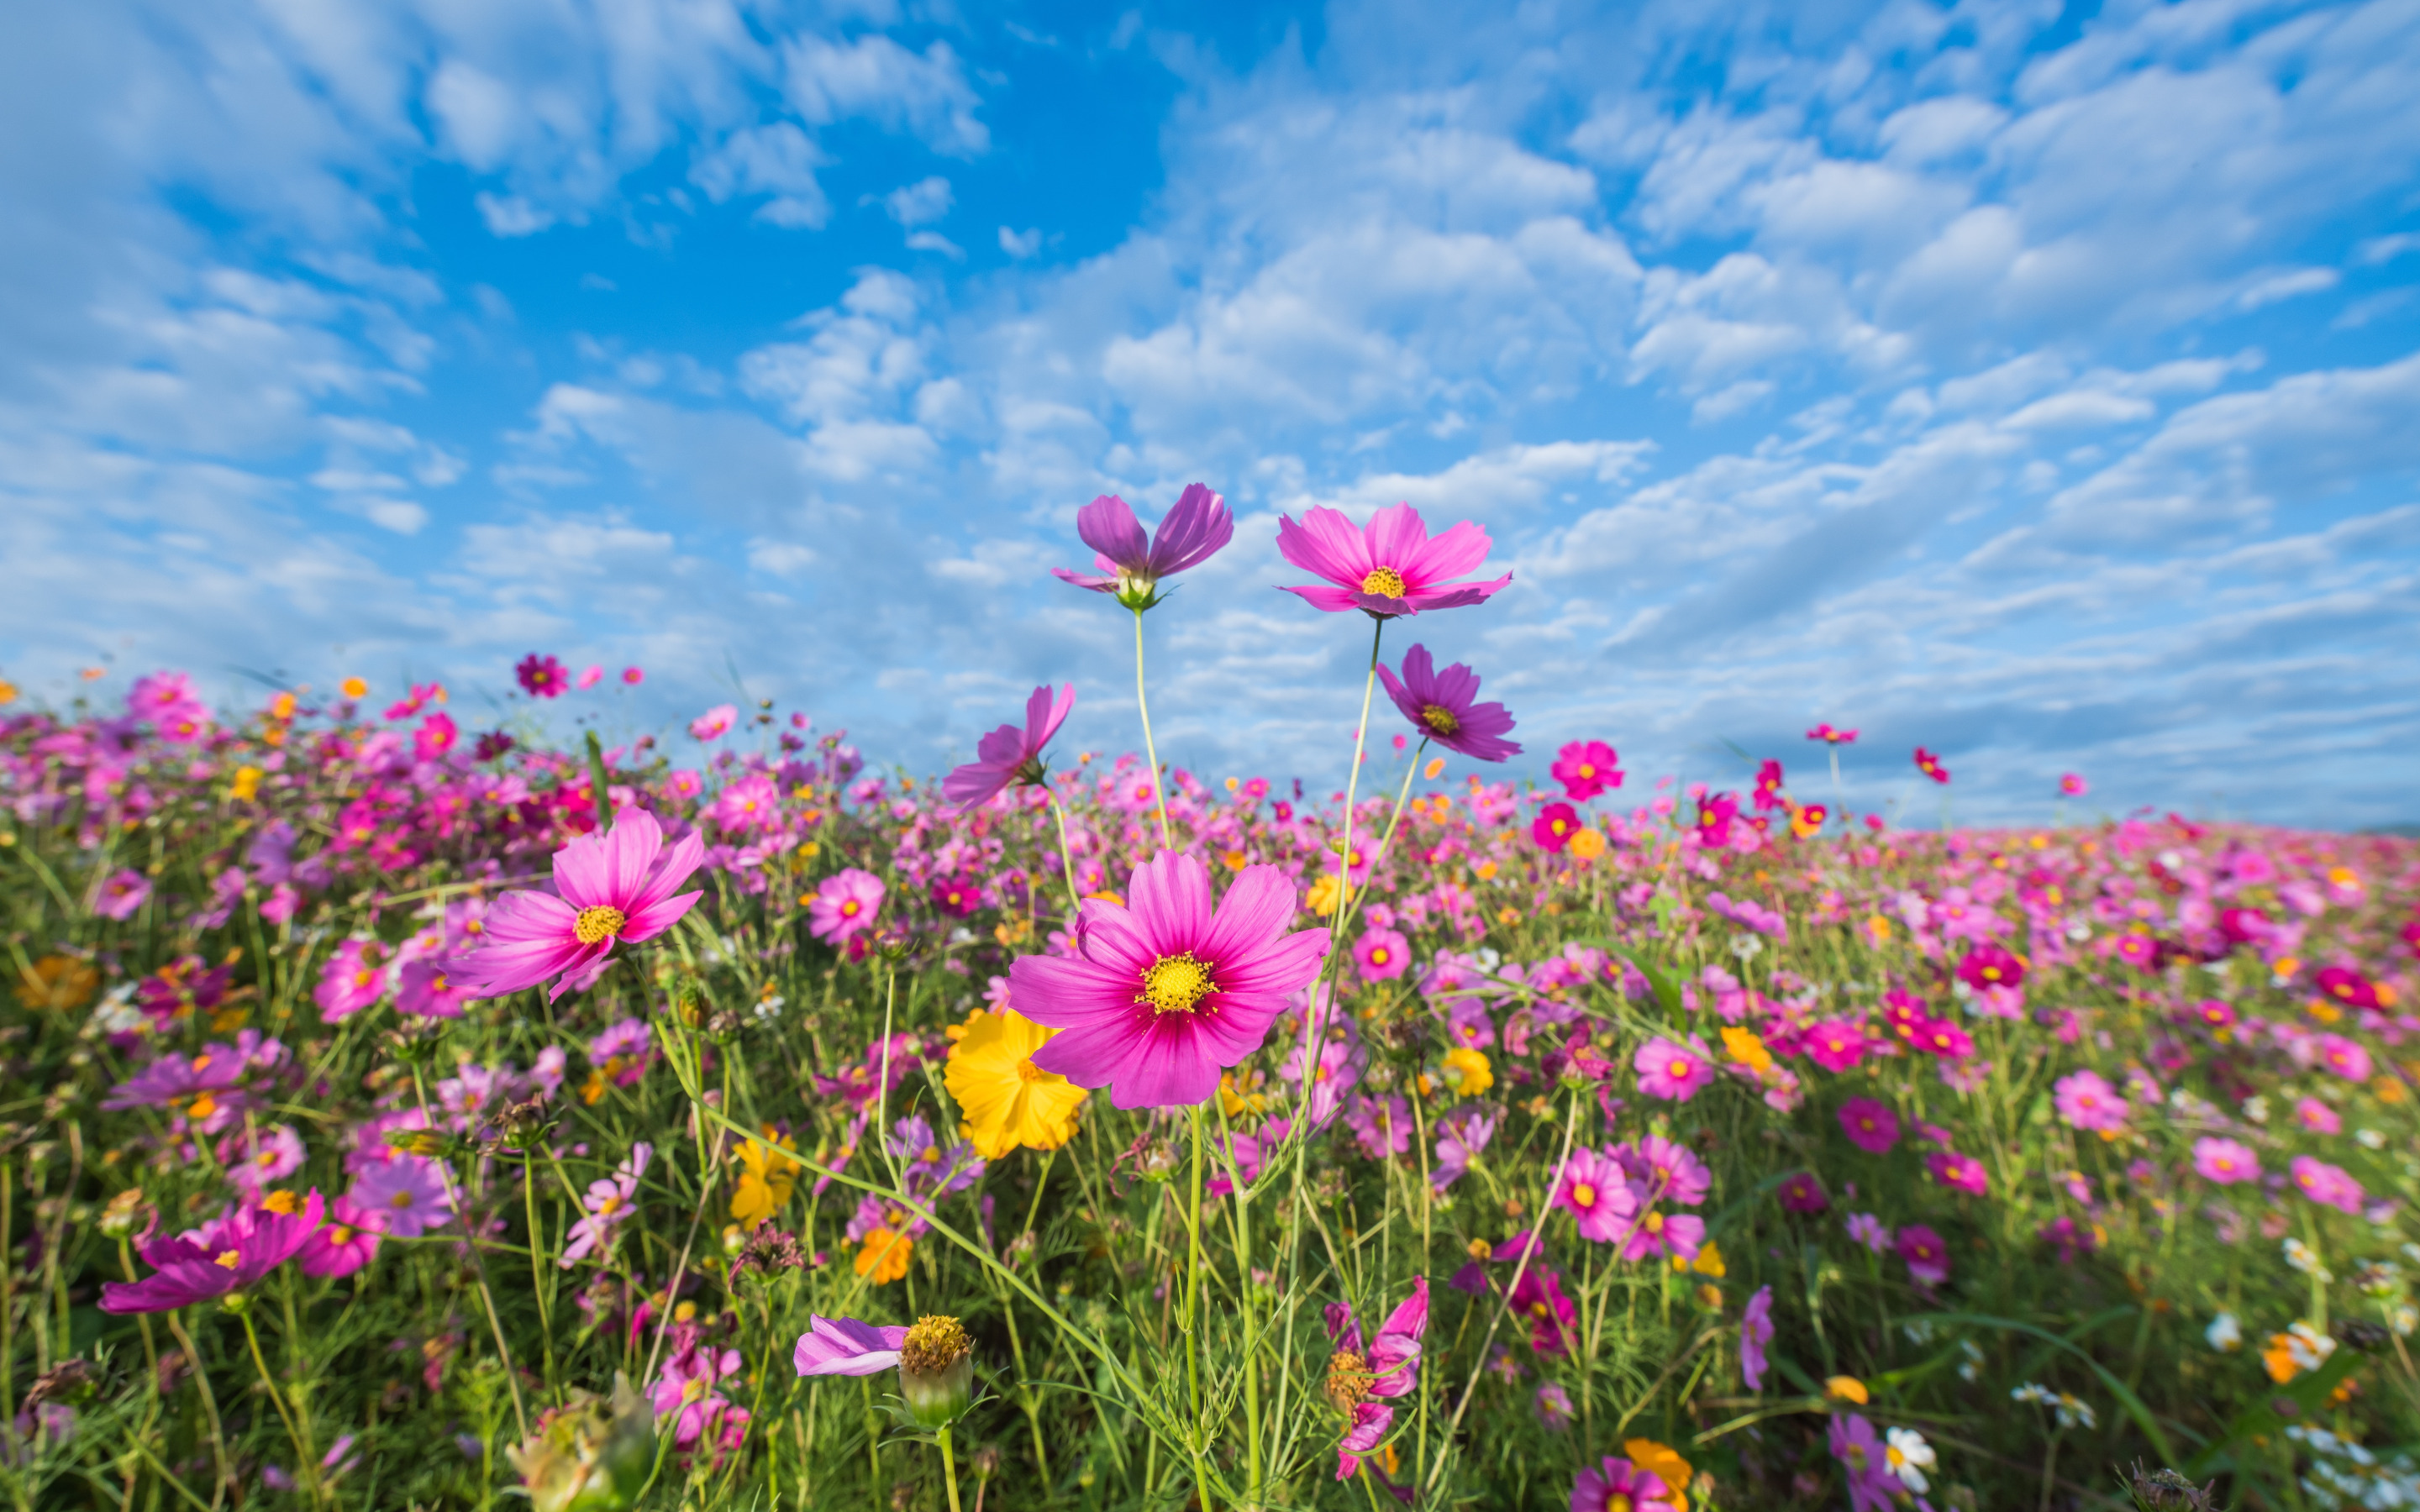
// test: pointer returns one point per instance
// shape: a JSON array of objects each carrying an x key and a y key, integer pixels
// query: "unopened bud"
[{"x": 124, "y": 1213}]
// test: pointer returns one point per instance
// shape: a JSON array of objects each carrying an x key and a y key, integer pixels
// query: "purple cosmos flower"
[
  {"x": 215, "y": 1260},
  {"x": 2328, "y": 1186},
  {"x": 1870, "y": 1125},
  {"x": 203, "y": 1088},
  {"x": 1384, "y": 954},
  {"x": 1555, "y": 1412},
  {"x": 406, "y": 1192},
  {"x": 1009, "y": 754},
  {"x": 348, "y": 1241},
  {"x": 1191, "y": 534},
  {"x": 612, "y": 886},
  {"x": 1598, "y": 1195},
  {"x": 1866, "y": 1229},
  {"x": 1342, "y": 1058},
  {"x": 1586, "y": 768},
  {"x": 353, "y": 978},
  {"x": 423, "y": 990},
  {"x": 1871, "y": 1485},
  {"x": 1540, "y": 1299},
  {"x": 254, "y": 1162},
  {"x": 1927, "y": 1257},
  {"x": 1390, "y": 1367},
  {"x": 1671, "y": 1071},
  {"x": 2086, "y": 1102},
  {"x": 1382, "y": 1126},
  {"x": 844, "y": 904},
  {"x": 1443, "y": 706},
  {"x": 2226, "y": 1161},
  {"x": 1461, "y": 1135},
  {"x": 1962, "y": 1172},
  {"x": 1390, "y": 568},
  {"x": 686, "y": 1390},
  {"x": 845, "y": 1346},
  {"x": 124, "y": 892},
  {"x": 610, "y": 1204},
  {"x": 1620, "y": 1486},
  {"x": 1756, "y": 1332},
  {"x": 1164, "y": 994},
  {"x": 1803, "y": 1193}
]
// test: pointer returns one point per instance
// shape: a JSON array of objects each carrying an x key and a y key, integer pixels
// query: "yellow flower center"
[
  {"x": 1349, "y": 1379},
  {"x": 203, "y": 1106},
  {"x": 601, "y": 922},
  {"x": 1655, "y": 1223},
  {"x": 848, "y": 909},
  {"x": 339, "y": 1234},
  {"x": 280, "y": 1202},
  {"x": 1616, "y": 1502},
  {"x": 229, "y": 1258},
  {"x": 1584, "y": 1196},
  {"x": 1027, "y": 1071},
  {"x": 1587, "y": 772},
  {"x": 1440, "y": 718},
  {"x": 399, "y": 1201},
  {"x": 1175, "y": 982},
  {"x": 1384, "y": 581}
]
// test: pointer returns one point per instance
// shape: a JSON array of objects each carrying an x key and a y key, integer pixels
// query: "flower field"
[{"x": 400, "y": 1114}]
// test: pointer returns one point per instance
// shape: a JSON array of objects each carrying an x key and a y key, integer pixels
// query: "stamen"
[
  {"x": 1175, "y": 982},
  {"x": 1385, "y": 582},
  {"x": 601, "y": 922},
  {"x": 1440, "y": 718}
]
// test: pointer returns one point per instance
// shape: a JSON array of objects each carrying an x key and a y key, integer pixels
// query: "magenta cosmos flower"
[
  {"x": 1931, "y": 765},
  {"x": 215, "y": 1260},
  {"x": 2089, "y": 1103},
  {"x": 1586, "y": 768},
  {"x": 1620, "y": 1486},
  {"x": 1597, "y": 1191},
  {"x": 2328, "y": 1186},
  {"x": 1164, "y": 994},
  {"x": 1391, "y": 567},
  {"x": 2226, "y": 1161},
  {"x": 1443, "y": 706},
  {"x": 1870, "y": 1125},
  {"x": 1390, "y": 1366},
  {"x": 541, "y": 677},
  {"x": 1009, "y": 754},
  {"x": 844, "y": 905},
  {"x": 1671, "y": 1071},
  {"x": 1131, "y": 567},
  {"x": 1756, "y": 1332},
  {"x": 612, "y": 886}
]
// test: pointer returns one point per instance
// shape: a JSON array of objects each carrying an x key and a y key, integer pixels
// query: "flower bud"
[
  {"x": 124, "y": 1213},
  {"x": 936, "y": 1372},
  {"x": 588, "y": 1455}
]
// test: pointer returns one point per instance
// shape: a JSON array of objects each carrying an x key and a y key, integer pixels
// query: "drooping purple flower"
[
  {"x": 1390, "y": 1367},
  {"x": 846, "y": 1347},
  {"x": 1391, "y": 567},
  {"x": 1009, "y": 754},
  {"x": 612, "y": 886},
  {"x": 1443, "y": 706},
  {"x": 1191, "y": 533},
  {"x": 213, "y": 1261},
  {"x": 1756, "y": 1332},
  {"x": 1166, "y": 992}
]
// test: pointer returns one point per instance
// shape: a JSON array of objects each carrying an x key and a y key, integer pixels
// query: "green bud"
[{"x": 589, "y": 1455}]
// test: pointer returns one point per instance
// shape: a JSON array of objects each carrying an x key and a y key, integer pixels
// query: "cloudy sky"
[{"x": 2038, "y": 383}]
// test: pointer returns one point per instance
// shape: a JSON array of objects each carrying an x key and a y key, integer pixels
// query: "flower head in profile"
[
  {"x": 1931, "y": 765},
  {"x": 1008, "y": 1101},
  {"x": 845, "y": 1346},
  {"x": 1830, "y": 736},
  {"x": 217, "y": 1261},
  {"x": 1009, "y": 754},
  {"x": 1756, "y": 1335},
  {"x": 617, "y": 886},
  {"x": 1443, "y": 706},
  {"x": 1131, "y": 567},
  {"x": 1166, "y": 992},
  {"x": 1391, "y": 568},
  {"x": 1360, "y": 1378}
]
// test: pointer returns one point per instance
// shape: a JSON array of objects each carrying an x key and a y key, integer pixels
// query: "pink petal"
[
  {"x": 1333, "y": 600},
  {"x": 1169, "y": 899},
  {"x": 655, "y": 919},
  {"x": 1258, "y": 907},
  {"x": 1397, "y": 538},
  {"x": 1284, "y": 966},
  {"x": 1325, "y": 543},
  {"x": 1448, "y": 555},
  {"x": 1068, "y": 995},
  {"x": 1110, "y": 527},
  {"x": 671, "y": 871},
  {"x": 583, "y": 876},
  {"x": 631, "y": 847}
]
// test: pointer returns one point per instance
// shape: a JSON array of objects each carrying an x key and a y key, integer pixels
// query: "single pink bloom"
[
  {"x": 1597, "y": 1192},
  {"x": 747, "y": 805},
  {"x": 349, "y": 1242},
  {"x": 844, "y": 904},
  {"x": 590, "y": 678},
  {"x": 1131, "y": 567},
  {"x": 2345, "y": 1058},
  {"x": 1803, "y": 1193},
  {"x": 2074, "y": 785},
  {"x": 632, "y": 676},
  {"x": 1389, "y": 568},
  {"x": 1444, "y": 707},
  {"x": 1165, "y": 992},
  {"x": 1382, "y": 953},
  {"x": 2226, "y": 1162},
  {"x": 1870, "y": 1125},
  {"x": 437, "y": 736},
  {"x": 1393, "y": 1361},
  {"x": 2318, "y": 1117},
  {"x": 714, "y": 723},
  {"x": 1620, "y": 1486},
  {"x": 1586, "y": 768},
  {"x": 1927, "y": 1257},
  {"x": 1554, "y": 826},
  {"x": 125, "y": 892},
  {"x": 423, "y": 990},
  {"x": 1671, "y": 1071},
  {"x": 846, "y": 1347},
  {"x": 612, "y": 886},
  {"x": 2087, "y": 1101},
  {"x": 216, "y": 1259},
  {"x": 2328, "y": 1186},
  {"x": 1009, "y": 754},
  {"x": 1836, "y": 1044},
  {"x": 1962, "y": 1172},
  {"x": 1931, "y": 765}
]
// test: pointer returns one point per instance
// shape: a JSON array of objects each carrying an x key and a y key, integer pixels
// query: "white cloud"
[
  {"x": 874, "y": 77},
  {"x": 921, "y": 203}
]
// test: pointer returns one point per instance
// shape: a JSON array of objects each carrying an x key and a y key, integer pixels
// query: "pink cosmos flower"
[
  {"x": 2328, "y": 1186},
  {"x": 1586, "y": 768},
  {"x": 1962, "y": 1172},
  {"x": 436, "y": 735},
  {"x": 423, "y": 990},
  {"x": 1832, "y": 738},
  {"x": 1870, "y": 1125},
  {"x": 2074, "y": 785},
  {"x": 348, "y": 1241},
  {"x": 121, "y": 895},
  {"x": 612, "y": 886},
  {"x": 1931, "y": 765},
  {"x": 1166, "y": 992},
  {"x": 1554, "y": 826},
  {"x": 1654, "y": 1231},
  {"x": 590, "y": 678},
  {"x": 1539, "y": 1297},
  {"x": 2342, "y": 984},
  {"x": 407, "y": 1192},
  {"x": 1382, "y": 953},
  {"x": 1620, "y": 1486},
  {"x": 846, "y": 1347},
  {"x": 845, "y": 903},
  {"x": 1665, "y": 1171},
  {"x": 1866, "y": 1229},
  {"x": 2226, "y": 1161},
  {"x": 254, "y": 1162},
  {"x": 169, "y": 701},
  {"x": 1598, "y": 1195},
  {"x": 1673, "y": 1073},
  {"x": 1756, "y": 1332},
  {"x": 612, "y": 1201},
  {"x": 1196, "y": 529},
  {"x": 1767, "y": 796},
  {"x": 714, "y": 723},
  {"x": 2087, "y": 1101},
  {"x": 1009, "y": 754},
  {"x": 1927, "y": 1257},
  {"x": 1391, "y": 567},
  {"x": 1390, "y": 1367},
  {"x": 2345, "y": 1058},
  {"x": 1872, "y": 1487},
  {"x": 353, "y": 978},
  {"x": 228, "y": 1256},
  {"x": 632, "y": 676},
  {"x": 1443, "y": 706},
  {"x": 540, "y": 677},
  {"x": 1836, "y": 1044},
  {"x": 1802, "y": 1193},
  {"x": 2318, "y": 1117},
  {"x": 747, "y": 805},
  {"x": 1989, "y": 965},
  {"x": 1461, "y": 1136}
]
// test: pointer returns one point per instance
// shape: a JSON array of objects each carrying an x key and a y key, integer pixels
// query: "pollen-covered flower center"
[
  {"x": 1440, "y": 718},
  {"x": 1384, "y": 581},
  {"x": 934, "y": 1343},
  {"x": 1027, "y": 1071},
  {"x": 1175, "y": 982},
  {"x": 1349, "y": 1378},
  {"x": 601, "y": 922}
]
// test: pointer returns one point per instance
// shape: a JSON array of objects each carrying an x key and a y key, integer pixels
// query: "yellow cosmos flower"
[
  {"x": 1588, "y": 844},
  {"x": 1845, "y": 1388},
  {"x": 883, "y": 1257},
  {"x": 247, "y": 782},
  {"x": 1009, "y": 1101},
  {"x": 1745, "y": 1048},
  {"x": 1324, "y": 895},
  {"x": 353, "y": 687},
  {"x": 1467, "y": 1070},
  {"x": 60, "y": 983},
  {"x": 765, "y": 1178},
  {"x": 1665, "y": 1464}
]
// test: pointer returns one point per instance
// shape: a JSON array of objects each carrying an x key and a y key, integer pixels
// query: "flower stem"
[
  {"x": 209, "y": 1408},
  {"x": 948, "y": 1469},
  {"x": 1150, "y": 752},
  {"x": 307, "y": 1463},
  {"x": 1067, "y": 857}
]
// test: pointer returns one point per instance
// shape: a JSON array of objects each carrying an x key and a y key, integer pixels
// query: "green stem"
[
  {"x": 1066, "y": 858},
  {"x": 1150, "y": 752},
  {"x": 308, "y": 1463},
  {"x": 948, "y": 1469},
  {"x": 598, "y": 794}
]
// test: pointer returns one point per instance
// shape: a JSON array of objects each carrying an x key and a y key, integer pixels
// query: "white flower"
[
  {"x": 1908, "y": 1456},
  {"x": 2403, "y": 1317},
  {"x": 2256, "y": 1109},
  {"x": 2304, "y": 1258},
  {"x": 2370, "y": 1139},
  {"x": 1971, "y": 1369},
  {"x": 2307, "y": 1347},
  {"x": 2035, "y": 1392},
  {"x": 2224, "y": 1334},
  {"x": 2071, "y": 1411}
]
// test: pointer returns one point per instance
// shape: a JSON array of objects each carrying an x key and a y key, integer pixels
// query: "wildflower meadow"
[{"x": 407, "y": 1115}]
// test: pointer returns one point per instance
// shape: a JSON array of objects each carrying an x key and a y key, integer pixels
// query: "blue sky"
[{"x": 2038, "y": 383}]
